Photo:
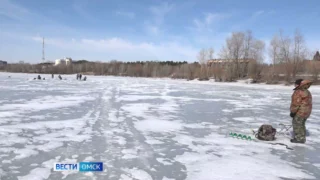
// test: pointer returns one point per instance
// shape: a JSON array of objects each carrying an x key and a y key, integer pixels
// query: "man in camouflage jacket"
[{"x": 300, "y": 109}]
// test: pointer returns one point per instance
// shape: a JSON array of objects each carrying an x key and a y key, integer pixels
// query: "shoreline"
[{"x": 241, "y": 82}]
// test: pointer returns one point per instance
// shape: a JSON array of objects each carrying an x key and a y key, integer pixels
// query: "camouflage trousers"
[{"x": 299, "y": 128}]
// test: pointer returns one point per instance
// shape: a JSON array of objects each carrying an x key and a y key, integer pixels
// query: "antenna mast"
[{"x": 43, "y": 58}]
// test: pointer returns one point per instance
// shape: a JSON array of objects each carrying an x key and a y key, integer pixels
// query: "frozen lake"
[{"x": 148, "y": 129}]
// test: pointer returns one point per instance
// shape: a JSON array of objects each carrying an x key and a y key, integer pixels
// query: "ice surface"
[
  {"x": 165, "y": 178},
  {"x": 129, "y": 154},
  {"x": 153, "y": 141},
  {"x": 138, "y": 174},
  {"x": 164, "y": 161},
  {"x": 39, "y": 173},
  {"x": 155, "y": 125},
  {"x": 144, "y": 128},
  {"x": 233, "y": 161},
  {"x": 125, "y": 177},
  {"x": 23, "y": 153},
  {"x": 89, "y": 158}
]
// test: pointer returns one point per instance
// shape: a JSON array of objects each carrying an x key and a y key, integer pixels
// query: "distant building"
[
  {"x": 3, "y": 63},
  {"x": 59, "y": 61},
  {"x": 66, "y": 61}
]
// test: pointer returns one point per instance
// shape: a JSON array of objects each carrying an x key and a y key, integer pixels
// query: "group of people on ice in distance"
[
  {"x": 79, "y": 77},
  {"x": 39, "y": 77}
]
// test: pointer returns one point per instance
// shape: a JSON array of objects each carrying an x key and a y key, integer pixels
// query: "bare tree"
[
  {"x": 285, "y": 53},
  {"x": 274, "y": 51},
  {"x": 241, "y": 46},
  {"x": 234, "y": 50},
  {"x": 203, "y": 57},
  {"x": 247, "y": 44},
  {"x": 210, "y": 53},
  {"x": 299, "y": 53},
  {"x": 256, "y": 53}
]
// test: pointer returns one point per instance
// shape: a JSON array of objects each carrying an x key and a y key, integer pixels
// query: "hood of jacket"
[{"x": 305, "y": 84}]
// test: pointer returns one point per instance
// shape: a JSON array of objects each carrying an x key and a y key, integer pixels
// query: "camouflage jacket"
[{"x": 301, "y": 100}]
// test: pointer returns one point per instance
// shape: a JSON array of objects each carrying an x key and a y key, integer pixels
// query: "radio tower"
[{"x": 43, "y": 58}]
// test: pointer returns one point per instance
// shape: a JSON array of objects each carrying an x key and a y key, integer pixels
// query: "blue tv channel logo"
[
  {"x": 91, "y": 166},
  {"x": 82, "y": 166}
]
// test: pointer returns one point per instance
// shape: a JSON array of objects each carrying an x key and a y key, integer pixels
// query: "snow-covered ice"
[{"x": 149, "y": 129}]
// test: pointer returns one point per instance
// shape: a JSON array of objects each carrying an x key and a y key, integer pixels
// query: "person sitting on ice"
[
  {"x": 39, "y": 77},
  {"x": 85, "y": 78},
  {"x": 300, "y": 109}
]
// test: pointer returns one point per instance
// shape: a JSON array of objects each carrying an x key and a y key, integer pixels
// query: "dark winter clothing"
[{"x": 300, "y": 109}]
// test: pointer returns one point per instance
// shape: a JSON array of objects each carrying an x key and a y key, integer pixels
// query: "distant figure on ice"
[
  {"x": 52, "y": 75},
  {"x": 85, "y": 78},
  {"x": 77, "y": 76},
  {"x": 60, "y": 77},
  {"x": 300, "y": 109},
  {"x": 80, "y": 76},
  {"x": 39, "y": 77}
]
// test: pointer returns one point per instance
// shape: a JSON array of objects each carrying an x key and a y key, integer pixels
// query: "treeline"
[
  {"x": 182, "y": 70},
  {"x": 242, "y": 56},
  {"x": 289, "y": 55},
  {"x": 115, "y": 68}
]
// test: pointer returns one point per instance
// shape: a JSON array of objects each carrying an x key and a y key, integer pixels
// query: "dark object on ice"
[
  {"x": 266, "y": 133},
  {"x": 85, "y": 78},
  {"x": 80, "y": 76},
  {"x": 34, "y": 78},
  {"x": 52, "y": 76},
  {"x": 9, "y": 76},
  {"x": 39, "y": 77},
  {"x": 60, "y": 77},
  {"x": 282, "y": 145},
  {"x": 44, "y": 78},
  {"x": 77, "y": 76},
  {"x": 294, "y": 140}
]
